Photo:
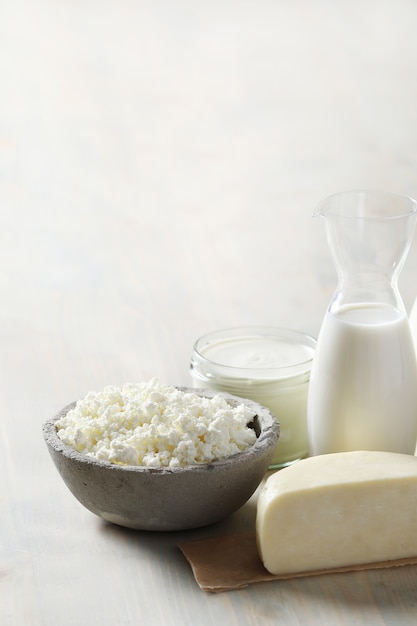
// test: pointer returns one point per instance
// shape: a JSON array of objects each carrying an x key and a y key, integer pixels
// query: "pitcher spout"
[{"x": 367, "y": 205}]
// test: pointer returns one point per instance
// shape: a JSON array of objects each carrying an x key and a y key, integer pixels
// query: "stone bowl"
[{"x": 167, "y": 499}]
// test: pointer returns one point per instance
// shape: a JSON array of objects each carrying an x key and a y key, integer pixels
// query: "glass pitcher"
[{"x": 363, "y": 386}]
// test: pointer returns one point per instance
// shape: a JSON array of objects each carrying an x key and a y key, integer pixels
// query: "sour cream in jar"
[{"x": 268, "y": 365}]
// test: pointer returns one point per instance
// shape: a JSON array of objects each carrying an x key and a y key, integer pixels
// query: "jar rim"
[{"x": 274, "y": 333}]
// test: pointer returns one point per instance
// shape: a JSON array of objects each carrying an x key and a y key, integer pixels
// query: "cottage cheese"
[{"x": 153, "y": 425}]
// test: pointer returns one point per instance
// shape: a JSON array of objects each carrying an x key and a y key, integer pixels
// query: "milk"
[{"x": 363, "y": 387}]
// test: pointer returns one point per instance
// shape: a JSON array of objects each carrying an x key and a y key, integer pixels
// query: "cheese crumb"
[{"x": 152, "y": 425}]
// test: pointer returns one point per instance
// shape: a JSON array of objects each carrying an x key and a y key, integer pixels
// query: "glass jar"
[{"x": 268, "y": 365}]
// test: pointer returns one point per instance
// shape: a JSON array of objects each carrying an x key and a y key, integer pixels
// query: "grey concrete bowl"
[{"x": 166, "y": 499}]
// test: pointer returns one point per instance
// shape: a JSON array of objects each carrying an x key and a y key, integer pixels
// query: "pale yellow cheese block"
[{"x": 338, "y": 510}]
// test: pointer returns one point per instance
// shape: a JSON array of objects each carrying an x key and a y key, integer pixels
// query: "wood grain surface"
[{"x": 159, "y": 165}]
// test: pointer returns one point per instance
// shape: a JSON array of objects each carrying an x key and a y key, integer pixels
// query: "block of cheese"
[{"x": 338, "y": 510}]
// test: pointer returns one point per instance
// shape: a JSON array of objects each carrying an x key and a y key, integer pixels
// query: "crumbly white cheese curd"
[{"x": 153, "y": 425}]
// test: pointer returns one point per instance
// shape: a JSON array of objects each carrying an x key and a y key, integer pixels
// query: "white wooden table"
[{"x": 159, "y": 164}]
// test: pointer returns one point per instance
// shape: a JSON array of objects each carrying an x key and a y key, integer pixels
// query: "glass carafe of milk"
[{"x": 363, "y": 386}]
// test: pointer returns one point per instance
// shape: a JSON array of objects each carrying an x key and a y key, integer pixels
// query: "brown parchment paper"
[{"x": 232, "y": 562}]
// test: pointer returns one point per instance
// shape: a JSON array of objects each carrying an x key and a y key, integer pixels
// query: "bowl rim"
[{"x": 266, "y": 440}]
